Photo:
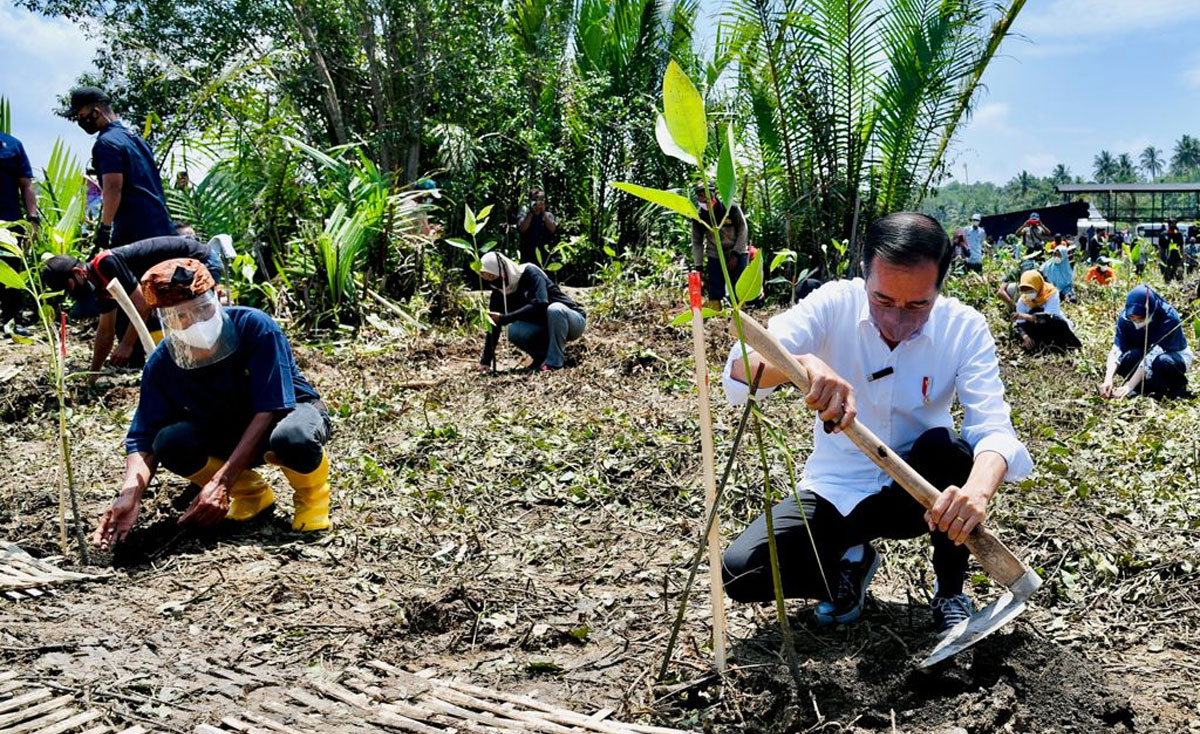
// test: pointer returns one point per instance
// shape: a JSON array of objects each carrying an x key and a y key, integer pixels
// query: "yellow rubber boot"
[
  {"x": 310, "y": 494},
  {"x": 210, "y": 469},
  {"x": 249, "y": 495}
]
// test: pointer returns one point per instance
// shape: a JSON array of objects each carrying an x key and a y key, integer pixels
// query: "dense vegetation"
[{"x": 304, "y": 124}]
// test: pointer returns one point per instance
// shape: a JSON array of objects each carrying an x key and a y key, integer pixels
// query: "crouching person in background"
[
  {"x": 1149, "y": 350},
  {"x": 540, "y": 318},
  {"x": 1039, "y": 320},
  {"x": 219, "y": 396}
]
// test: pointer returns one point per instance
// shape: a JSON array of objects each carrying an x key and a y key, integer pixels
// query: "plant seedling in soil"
[{"x": 56, "y": 351}]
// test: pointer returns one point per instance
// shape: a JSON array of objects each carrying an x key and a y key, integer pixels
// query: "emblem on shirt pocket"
[{"x": 926, "y": 388}]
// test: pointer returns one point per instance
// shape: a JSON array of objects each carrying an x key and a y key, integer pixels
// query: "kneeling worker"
[
  {"x": 892, "y": 352},
  {"x": 220, "y": 395},
  {"x": 87, "y": 282}
]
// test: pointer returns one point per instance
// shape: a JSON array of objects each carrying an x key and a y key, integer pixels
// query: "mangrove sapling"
[
  {"x": 682, "y": 132},
  {"x": 29, "y": 282},
  {"x": 473, "y": 224}
]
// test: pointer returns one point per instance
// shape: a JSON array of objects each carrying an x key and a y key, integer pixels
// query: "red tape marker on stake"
[{"x": 694, "y": 289}]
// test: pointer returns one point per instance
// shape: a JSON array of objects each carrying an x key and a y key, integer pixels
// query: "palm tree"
[
  {"x": 1105, "y": 167},
  {"x": 1187, "y": 156},
  {"x": 854, "y": 103},
  {"x": 1152, "y": 161},
  {"x": 1125, "y": 172},
  {"x": 1061, "y": 174},
  {"x": 1025, "y": 181}
]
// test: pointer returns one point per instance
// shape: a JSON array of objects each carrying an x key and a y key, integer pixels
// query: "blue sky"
[{"x": 1081, "y": 76}]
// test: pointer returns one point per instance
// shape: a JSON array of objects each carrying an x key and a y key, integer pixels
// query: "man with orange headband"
[{"x": 220, "y": 395}]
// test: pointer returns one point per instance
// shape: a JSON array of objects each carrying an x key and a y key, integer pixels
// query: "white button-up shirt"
[{"x": 952, "y": 354}]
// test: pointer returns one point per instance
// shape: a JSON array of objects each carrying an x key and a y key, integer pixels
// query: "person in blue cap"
[
  {"x": 1150, "y": 349},
  {"x": 1034, "y": 235}
]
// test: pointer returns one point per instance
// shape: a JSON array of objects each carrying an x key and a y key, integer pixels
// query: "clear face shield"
[{"x": 199, "y": 332}]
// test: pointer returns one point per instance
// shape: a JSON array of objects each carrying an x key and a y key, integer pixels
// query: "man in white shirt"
[
  {"x": 975, "y": 238},
  {"x": 893, "y": 353}
]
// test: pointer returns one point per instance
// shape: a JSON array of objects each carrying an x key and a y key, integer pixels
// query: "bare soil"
[{"x": 532, "y": 533}]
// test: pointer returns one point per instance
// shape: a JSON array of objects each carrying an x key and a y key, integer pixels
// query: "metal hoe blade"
[{"x": 983, "y": 623}]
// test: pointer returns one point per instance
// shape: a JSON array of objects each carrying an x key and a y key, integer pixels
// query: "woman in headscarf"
[
  {"x": 540, "y": 318},
  {"x": 1039, "y": 319},
  {"x": 1058, "y": 271},
  {"x": 1150, "y": 349}
]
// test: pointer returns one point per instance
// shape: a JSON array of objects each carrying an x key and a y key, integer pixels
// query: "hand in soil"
[
  {"x": 1106, "y": 389},
  {"x": 118, "y": 520},
  {"x": 121, "y": 354},
  {"x": 209, "y": 507},
  {"x": 956, "y": 513}
]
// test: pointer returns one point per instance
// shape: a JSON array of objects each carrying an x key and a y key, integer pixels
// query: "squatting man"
[
  {"x": 892, "y": 352},
  {"x": 221, "y": 395}
]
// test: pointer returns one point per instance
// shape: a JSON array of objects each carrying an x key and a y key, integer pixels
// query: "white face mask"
[
  {"x": 1140, "y": 324},
  {"x": 202, "y": 334}
]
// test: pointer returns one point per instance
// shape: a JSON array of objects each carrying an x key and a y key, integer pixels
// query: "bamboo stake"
[{"x": 716, "y": 586}]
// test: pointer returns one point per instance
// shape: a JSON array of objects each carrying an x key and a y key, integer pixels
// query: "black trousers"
[
  {"x": 1050, "y": 332},
  {"x": 298, "y": 440},
  {"x": 811, "y": 535}
]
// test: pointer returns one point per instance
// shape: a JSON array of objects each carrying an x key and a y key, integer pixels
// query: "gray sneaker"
[
  {"x": 950, "y": 610},
  {"x": 852, "y": 581}
]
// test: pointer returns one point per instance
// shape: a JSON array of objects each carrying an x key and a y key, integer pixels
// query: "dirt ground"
[{"x": 532, "y": 533}]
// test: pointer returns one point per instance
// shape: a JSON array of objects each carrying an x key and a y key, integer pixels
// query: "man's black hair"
[
  {"x": 57, "y": 271},
  {"x": 907, "y": 239}
]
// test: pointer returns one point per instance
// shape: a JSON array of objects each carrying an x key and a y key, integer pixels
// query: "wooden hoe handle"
[{"x": 996, "y": 559}]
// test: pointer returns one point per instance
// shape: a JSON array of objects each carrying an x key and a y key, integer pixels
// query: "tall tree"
[
  {"x": 1186, "y": 158},
  {"x": 1125, "y": 171},
  {"x": 1061, "y": 174},
  {"x": 854, "y": 103},
  {"x": 1152, "y": 161},
  {"x": 1104, "y": 166}
]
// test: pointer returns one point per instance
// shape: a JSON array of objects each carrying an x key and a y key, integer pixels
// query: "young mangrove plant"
[
  {"x": 56, "y": 352},
  {"x": 682, "y": 133}
]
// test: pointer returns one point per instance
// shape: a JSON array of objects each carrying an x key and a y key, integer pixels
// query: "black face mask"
[
  {"x": 88, "y": 124},
  {"x": 84, "y": 291}
]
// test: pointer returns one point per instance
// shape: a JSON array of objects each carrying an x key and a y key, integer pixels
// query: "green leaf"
[
  {"x": 459, "y": 243},
  {"x": 477, "y": 266},
  {"x": 487, "y": 248},
  {"x": 10, "y": 278},
  {"x": 608, "y": 250},
  {"x": 552, "y": 267},
  {"x": 666, "y": 199},
  {"x": 683, "y": 109},
  {"x": 1196, "y": 327},
  {"x": 469, "y": 223},
  {"x": 484, "y": 212},
  {"x": 685, "y": 318},
  {"x": 726, "y": 172},
  {"x": 750, "y": 283},
  {"x": 668, "y": 145},
  {"x": 782, "y": 257}
]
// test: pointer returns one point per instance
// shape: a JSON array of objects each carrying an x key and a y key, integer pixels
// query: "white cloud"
[
  {"x": 42, "y": 58},
  {"x": 1191, "y": 77},
  {"x": 1039, "y": 164},
  {"x": 1070, "y": 21},
  {"x": 992, "y": 114}
]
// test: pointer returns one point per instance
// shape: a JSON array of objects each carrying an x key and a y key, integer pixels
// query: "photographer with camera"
[{"x": 537, "y": 227}]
